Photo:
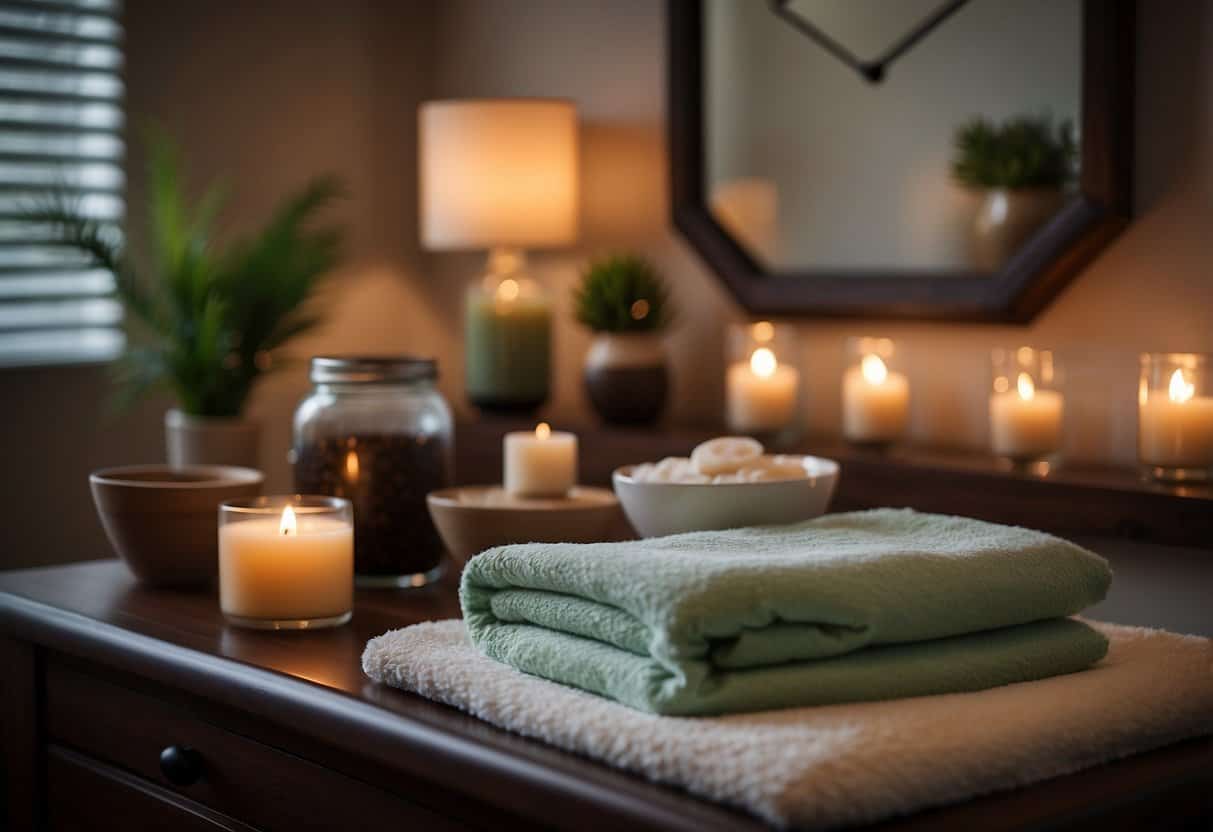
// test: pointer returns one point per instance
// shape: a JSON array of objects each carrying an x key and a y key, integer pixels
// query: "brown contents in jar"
[{"x": 386, "y": 478}]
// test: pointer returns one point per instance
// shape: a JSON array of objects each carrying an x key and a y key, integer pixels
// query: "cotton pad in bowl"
[{"x": 675, "y": 495}]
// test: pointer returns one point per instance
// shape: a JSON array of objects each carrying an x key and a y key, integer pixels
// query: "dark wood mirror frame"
[{"x": 1024, "y": 286}]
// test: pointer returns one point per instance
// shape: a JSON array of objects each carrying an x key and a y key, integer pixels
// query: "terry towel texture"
[
  {"x": 848, "y": 607},
  {"x": 825, "y": 767}
]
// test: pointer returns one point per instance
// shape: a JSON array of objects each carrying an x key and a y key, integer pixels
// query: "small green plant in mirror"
[
  {"x": 622, "y": 293},
  {"x": 1023, "y": 152},
  {"x": 210, "y": 317}
]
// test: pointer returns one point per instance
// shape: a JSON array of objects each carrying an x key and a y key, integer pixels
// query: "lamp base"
[{"x": 507, "y": 338}]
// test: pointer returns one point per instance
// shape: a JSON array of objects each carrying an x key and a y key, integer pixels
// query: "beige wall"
[{"x": 273, "y": 91}]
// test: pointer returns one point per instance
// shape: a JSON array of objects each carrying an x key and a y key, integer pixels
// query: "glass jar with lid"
[{"x": 376, "y": 431}]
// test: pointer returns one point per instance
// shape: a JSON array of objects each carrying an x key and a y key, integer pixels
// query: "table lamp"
[{"x": 501, "y": 174}]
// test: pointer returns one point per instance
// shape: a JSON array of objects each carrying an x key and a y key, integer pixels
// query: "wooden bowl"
[
  {"x": 473, "y": 518},
  {"x": 163, "y": 521}
]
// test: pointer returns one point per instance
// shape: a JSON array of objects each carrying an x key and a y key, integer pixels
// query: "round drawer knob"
[{"x": 180, "y": 765}]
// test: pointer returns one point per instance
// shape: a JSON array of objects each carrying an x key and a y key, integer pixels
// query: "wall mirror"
[{"x": 942, "y": 159}]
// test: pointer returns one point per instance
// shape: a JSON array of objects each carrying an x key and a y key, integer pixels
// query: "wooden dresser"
[{"x": 127, "y": 708}]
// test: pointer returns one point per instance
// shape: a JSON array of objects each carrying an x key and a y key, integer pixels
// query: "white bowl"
[{"x": 656, "y": 509}]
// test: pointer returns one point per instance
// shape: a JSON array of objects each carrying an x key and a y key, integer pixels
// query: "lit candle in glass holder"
[
  {"x": 286, "y": 563},
  {"x": 1026, "y": 405},
  {"x": 1175, "y": 416},
  {"x": 761, "y": 387},
  {"x": 875, "y": 397}
]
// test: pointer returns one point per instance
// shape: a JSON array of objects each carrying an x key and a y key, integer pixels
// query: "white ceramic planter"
[{"x": 192, "y": 440}]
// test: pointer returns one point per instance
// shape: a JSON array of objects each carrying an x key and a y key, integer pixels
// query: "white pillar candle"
[
  {"x": 1025, "y": 423},
  {"x": 1175, "y": 428},
  {"x": 286, "y": 568},
  {"x": 875, "y": 401},
  {"x": 760, "y": 395},
  {"x": 542, "y": 463}
]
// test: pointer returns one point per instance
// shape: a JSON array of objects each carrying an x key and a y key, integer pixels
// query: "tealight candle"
[
  {"x": 875, "y": 398},
  {"x": 542, "y": 463},
  {"x": 760, "y": 390},
  {"x": 1175, "y": 416},
  {"x": 286, "y": 563},
  {"x": 1025, "y": 414}
]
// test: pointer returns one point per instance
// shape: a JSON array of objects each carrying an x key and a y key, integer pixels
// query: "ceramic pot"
[
  {"x": 626, "y": 377},
  {"x": 1006, "y": 218},
  {"x": 161, "y": 519},
  {"x": 193, "y": 440}
]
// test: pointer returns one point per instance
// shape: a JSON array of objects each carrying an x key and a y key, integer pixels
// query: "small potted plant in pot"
[
  {"x": 1021, "y": 167},
  {"x": 624, "y": 301},
  {"x": 211, "y": 317}
]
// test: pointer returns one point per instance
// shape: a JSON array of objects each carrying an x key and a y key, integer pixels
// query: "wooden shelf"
[{"x": 1070, "y": 499}]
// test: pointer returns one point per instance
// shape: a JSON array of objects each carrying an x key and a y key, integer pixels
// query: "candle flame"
[
  {"x": 1180, "y": 390},
  {"x": 873, "y": 369},
  {"x": 543, "y": 430},
  {"x": 288, "y": 526},
  {"x": 1027, "y": 390},
  {"x": 763, "y": 362},
  {"x": 763, "y": 331},
  {"x": 351, "y": 466},
  {"x": 508, "y": 290}
]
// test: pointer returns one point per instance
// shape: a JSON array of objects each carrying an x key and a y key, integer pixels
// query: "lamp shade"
[{"x": 498, "y": 172}]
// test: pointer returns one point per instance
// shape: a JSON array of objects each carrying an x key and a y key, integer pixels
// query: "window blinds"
[{"x": 61, "y": 125}]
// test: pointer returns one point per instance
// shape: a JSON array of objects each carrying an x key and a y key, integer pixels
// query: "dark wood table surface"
[{"x": 311, "y": 685}]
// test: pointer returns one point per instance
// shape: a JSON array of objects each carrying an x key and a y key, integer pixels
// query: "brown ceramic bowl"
[
  {"x": 163, "y": 521},
  {"x": 478, "y": 517}
]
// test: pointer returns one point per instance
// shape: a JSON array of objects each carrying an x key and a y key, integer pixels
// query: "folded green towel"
[{"x": 868, "y": 605}]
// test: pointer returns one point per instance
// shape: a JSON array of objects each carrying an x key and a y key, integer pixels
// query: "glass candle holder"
[
  {"x": 762, "y": 385},
  {"x": 1027, "y": 405},
  {"x": 507, "y": 337},
  {"x": 286, "y": 563},
  {"x": 875, "y": 393},
  {"x": 1175, "y": 416}
]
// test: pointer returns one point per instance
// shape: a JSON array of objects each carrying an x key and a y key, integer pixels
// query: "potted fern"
[
  {"x": 207, "y": 320},
  {"x": 624, "y": 301},
  {"x": 1021, "y": 168}
]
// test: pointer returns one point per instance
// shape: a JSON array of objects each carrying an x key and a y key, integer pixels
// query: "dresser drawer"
[
  {"x": 230, "y": 773},
  {"x": 84, "y": 795}
]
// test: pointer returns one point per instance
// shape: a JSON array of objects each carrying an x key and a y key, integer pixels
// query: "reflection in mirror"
[{"x": 812, "y": 168}]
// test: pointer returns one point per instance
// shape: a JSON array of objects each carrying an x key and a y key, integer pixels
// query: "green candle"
[{"x": 507, "y": 337}]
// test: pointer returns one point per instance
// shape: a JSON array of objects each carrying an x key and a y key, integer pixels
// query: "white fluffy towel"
[{"x": 827, "y": 767}]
